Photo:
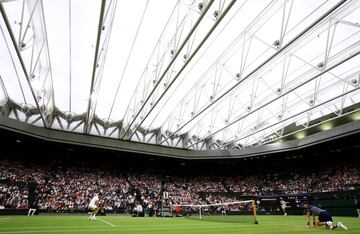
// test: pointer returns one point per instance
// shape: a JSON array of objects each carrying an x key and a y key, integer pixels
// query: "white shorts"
[
  {"x": 92, "y": 207},
  {"x": 284, "y": 207}
]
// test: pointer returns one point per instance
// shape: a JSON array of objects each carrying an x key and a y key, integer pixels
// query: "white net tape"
[{"x": 215, "y": 204}]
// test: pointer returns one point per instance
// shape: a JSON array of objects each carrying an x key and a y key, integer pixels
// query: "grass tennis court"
[{"x": 127, "y": 224}]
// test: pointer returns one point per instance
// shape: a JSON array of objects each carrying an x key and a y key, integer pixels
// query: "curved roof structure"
[{"x": 193, "y": 74}]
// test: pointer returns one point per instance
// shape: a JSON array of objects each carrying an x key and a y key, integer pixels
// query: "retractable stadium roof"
[{"x": 193, "y": 74}]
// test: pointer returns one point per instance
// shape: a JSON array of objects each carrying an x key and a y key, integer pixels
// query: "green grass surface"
[{"x": 126, "y": 224}]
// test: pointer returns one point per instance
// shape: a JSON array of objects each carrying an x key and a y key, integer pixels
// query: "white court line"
[
  {"x": 49, "y": 231},
  {"x": 42, "y": 227},
  {"x": 106, "y": 230},
  {"x": 123, "y": 226},
  {"x": 106, "y": 222},
  {"x": 4, "y": 220}
]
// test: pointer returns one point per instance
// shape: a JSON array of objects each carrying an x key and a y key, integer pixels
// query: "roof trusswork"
[{"x": 194, "y": 74}]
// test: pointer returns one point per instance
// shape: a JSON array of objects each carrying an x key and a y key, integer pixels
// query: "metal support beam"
[
  {"x": 290, "y": 117},
  {"x": 51, "y": 135},
  {"x": 272, "y": 57},
  {"x": 283, "y": 94},
  {"x": 217, "y": 22},
  {"x": 46, "y": 123},
  {"x": 107, "y": 12},
  {"x": 208, "y": 5},
  {"x": 4, "y": 88},
  {"x": 87, "y": 124}
]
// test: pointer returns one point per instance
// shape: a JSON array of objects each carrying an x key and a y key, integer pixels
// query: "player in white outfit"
[
  {"x": 94, "y": 206},
  {"x": 283, "y": 205}
]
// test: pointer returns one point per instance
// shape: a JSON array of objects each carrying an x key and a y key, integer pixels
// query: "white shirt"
[
  {"x": 94, "y": 200},
  {"x": 139, "y": 208},
  {"x": 283, "y": 203}
]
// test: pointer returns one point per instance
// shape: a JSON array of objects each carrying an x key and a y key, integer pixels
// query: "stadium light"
[
  {"x": 300, "y": 135},
  {"x": 356, "y": 116},
  {"x": 279, "y": 141},
  {"x": 326, "y": 126}
]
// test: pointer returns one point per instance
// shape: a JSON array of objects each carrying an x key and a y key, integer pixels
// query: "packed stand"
[
  {"x": 63, "y": 188},
  {"x": 72, "y": 189},
  {"x": 147, "y": 190},
  {"x": 13, "y": 196},
  {"x": 184, "y": 191},
  {"x": 292, "y": 181}
]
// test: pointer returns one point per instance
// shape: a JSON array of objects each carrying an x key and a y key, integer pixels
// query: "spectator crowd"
[
  {"x": 13, "y": 196},
  {"x": 62, "y": 188}
]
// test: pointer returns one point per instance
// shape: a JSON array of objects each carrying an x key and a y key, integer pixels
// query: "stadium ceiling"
[{"x": 192, "y": 74}]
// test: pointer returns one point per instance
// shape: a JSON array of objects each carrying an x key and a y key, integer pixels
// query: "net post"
[
  {"x": 200, "y": 212},
  {"x": 254, "y": 211}
]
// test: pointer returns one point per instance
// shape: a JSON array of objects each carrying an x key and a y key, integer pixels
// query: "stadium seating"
[{"x": 63, "y": 188}]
